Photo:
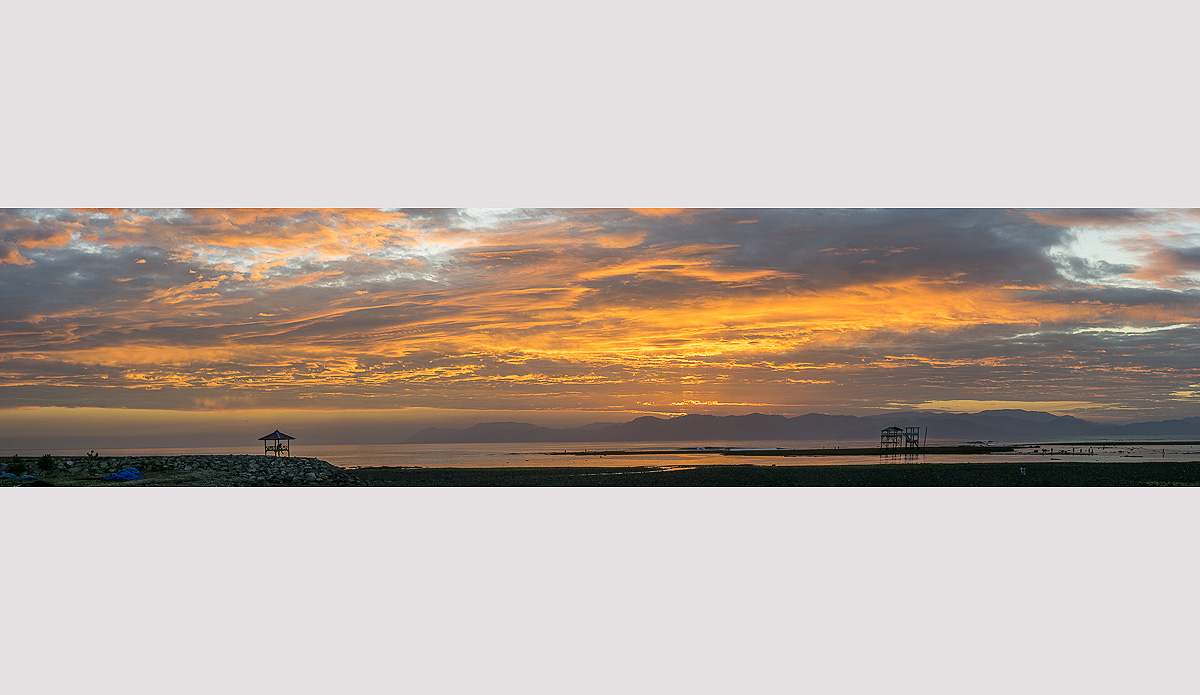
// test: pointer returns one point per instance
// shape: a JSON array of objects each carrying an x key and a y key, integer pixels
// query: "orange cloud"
[
  {"x": 305, "y": 279},
  {"x": 1167, "y": 266},
  {"x": 10, "y": 253},
  {"x": 659, "y": 212}
]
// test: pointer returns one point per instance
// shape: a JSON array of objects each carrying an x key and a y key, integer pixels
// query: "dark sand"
[
  {"x": 1037, "y": 474},
  {"x": 758, "y": 473}
]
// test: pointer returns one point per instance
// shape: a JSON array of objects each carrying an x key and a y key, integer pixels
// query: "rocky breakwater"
[{"x": 198, "y": 470}]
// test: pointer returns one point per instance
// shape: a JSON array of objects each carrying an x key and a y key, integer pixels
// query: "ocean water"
[{"x": 553, "y": 454}]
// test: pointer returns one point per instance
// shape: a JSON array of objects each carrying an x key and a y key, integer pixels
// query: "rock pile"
[{"x": 214, "y": 470}]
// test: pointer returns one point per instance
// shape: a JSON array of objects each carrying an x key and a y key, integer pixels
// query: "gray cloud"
[{"x": 1092, "y": 270}]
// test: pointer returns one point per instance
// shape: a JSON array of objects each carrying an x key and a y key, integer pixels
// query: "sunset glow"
[{"x": 574, "y": 316}]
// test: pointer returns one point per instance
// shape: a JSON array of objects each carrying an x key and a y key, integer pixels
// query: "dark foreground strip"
[{"x": 1037, "y": 474}]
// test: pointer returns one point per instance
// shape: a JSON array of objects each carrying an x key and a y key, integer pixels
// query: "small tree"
[
  {"x": 17, "y": 467},
  {"x": 46, "y": 463}
]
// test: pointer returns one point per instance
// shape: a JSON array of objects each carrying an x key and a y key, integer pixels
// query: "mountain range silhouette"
[{"x": 1009, "y": 425}]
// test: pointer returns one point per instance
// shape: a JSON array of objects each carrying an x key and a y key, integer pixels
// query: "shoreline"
[
  {"x": 270, "y": 471},
  {"x": 963, "y": 449},
  {"x": 1000, "y": 474},
  {"x": 749, "y": 451}
]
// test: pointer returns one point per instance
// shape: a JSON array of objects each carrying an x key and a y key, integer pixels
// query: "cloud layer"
[{"x": 720, "y": 311}]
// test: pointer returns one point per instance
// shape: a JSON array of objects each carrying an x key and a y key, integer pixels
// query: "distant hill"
[
  {"x": 999, "y": 425},
  {"x": 489, "y": 432},
  {"x": 1030, "y": 415},
  {"x": 1186, "y": 427}
]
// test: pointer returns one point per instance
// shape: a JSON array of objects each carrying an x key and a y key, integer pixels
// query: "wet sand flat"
[{"x": 1036, "y": 473}]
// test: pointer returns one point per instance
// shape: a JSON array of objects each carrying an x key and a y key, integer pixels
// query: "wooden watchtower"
[
  {"x": 900, "y": 438},
  {"x": 891, "y": 438},
  {"x": 277, "y": 443}
]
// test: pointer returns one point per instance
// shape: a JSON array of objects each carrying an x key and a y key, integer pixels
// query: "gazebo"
[{"x": 277, "y": 443}]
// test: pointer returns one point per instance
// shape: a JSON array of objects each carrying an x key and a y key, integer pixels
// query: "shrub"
[
  {"x": 46, "y": 462},
  {"x": 92, "y": 456},
  {"x": 17, "y": 467}
]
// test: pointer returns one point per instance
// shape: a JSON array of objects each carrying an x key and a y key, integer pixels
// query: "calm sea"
[{"x": 537, "y": 454}]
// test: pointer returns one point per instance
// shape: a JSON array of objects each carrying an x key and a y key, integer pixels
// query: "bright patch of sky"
[
  {"x": 39, "y": 214},
  {"x": 1131, "y": 329},
  {"x": 1126, "y": 244},
  {"x": 86, "y": 246},
  {"x": 1118, "y": 330},
  {"x": 484, "y": 218}
]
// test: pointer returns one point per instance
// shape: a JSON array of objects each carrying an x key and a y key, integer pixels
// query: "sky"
[{"x": 205, "y": 326}]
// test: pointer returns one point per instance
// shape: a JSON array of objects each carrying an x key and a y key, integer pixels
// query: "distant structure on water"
[
  {"x": 277, "y": 443},
  {"x": 899, "y": 439}
]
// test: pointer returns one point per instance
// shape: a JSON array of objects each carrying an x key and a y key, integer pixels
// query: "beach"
[
  {"x": 646, "y": 468},
  {"x": 1034, "y": 474}
]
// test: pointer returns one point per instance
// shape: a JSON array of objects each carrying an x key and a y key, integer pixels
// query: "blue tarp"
[
  {"x": 8, "y": 475},
  {"x": 129, "y": 473}
]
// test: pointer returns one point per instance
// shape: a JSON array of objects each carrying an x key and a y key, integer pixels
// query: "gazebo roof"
[{"x": 276, "y": 435}]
